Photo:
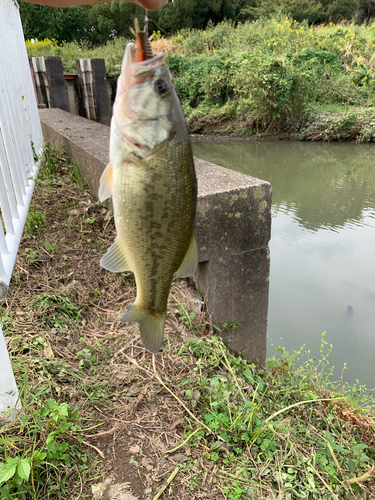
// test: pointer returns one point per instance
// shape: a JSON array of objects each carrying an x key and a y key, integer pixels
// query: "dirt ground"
[{"x": 64, "y": 303}]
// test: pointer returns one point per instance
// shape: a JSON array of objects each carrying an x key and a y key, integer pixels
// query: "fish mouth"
[
  {"x": 144, "y": 69},
  {"x": 149, "y": 61}
]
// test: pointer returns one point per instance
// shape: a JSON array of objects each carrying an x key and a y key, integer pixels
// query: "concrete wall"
[{"x": 233, "y": 227}]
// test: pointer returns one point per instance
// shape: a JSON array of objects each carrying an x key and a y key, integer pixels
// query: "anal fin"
[
  {"x": 114, "y": 259},
  {"x": 190, "y": 263}
]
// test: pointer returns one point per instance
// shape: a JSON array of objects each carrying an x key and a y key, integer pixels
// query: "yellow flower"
[{"x": 189, "y": 76}]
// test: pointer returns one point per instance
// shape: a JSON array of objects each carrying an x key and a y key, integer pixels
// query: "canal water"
[{"x": 322, "y": 245}]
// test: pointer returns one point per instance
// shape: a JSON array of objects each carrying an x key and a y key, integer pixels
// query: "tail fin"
[{"x": 151, "y": 328}]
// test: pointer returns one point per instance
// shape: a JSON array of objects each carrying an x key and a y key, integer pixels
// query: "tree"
[
  {"x": 178, "y": 14},
  {"x": 338, "y": 10},
  {"x": 366, "y": 11},
  {"x": 112, "y": 19},
  {"x": 243, "y": 9},
  {"x": 65, "y": 25},
  {"x": 312, "y": 11}
]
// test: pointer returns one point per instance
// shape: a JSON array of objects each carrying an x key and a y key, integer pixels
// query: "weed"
[
  {"x": 43, "y": 452},
  {"x": 227, "y": 326},
  {"x": 256, "y": 76},
  {"x": 286, "y": 418},
  {"x": 35, "y": 155},
  {"x": 56, "y": 309},
  {"x": 186, "y": 317},
  {"x": 35, "y": 221},
  {"x": 88, "y": 358}
]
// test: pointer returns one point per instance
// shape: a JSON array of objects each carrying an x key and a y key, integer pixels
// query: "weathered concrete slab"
[
  {"x": 49, "y": 79},
  {"x": 94, "y": 87},
  {"x": 233, "y": 226}
]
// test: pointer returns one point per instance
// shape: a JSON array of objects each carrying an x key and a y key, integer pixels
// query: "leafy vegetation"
[
  {"x": 99, "y": 22},
  {"x": 39, "y": 21},
  {"x": 316, "y": 83},
  {"x": 277, "y": 75},
  {"x": 285, "y": 433},
  {"x": 45, "y": 453}
]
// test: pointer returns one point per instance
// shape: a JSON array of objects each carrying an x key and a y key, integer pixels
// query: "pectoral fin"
[
  {"x": 106, "y": 183},
  {"x": 114, "y": 259},
  {"x": 190, "y": 263}
]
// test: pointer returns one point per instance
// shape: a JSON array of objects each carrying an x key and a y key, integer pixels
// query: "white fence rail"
[{"x": 20, "y": 132}]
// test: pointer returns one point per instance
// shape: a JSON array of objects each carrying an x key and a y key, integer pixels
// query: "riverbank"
[
  {"x": 100, "y": 414},
  {"x": 352, "y": 124},
  {"x": 264, "y": 77}
]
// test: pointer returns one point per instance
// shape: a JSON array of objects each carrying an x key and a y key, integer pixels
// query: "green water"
[{"x": 322, "y": 244}]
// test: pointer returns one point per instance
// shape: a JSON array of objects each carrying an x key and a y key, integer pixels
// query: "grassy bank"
[
  {"x": 101, "y": 415},
  {"x": 315, "y": 83}
]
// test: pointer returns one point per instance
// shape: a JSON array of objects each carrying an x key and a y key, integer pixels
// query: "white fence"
[{"x": 20, "y": 132}]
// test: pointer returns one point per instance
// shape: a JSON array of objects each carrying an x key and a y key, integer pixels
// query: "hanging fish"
[{"x": 152, "y": 182}]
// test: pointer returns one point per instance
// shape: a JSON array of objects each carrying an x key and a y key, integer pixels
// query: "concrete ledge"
[{"x": 233, "y": 227}]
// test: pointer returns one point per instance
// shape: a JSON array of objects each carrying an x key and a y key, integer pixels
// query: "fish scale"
[{"x": 160, "y": 228}]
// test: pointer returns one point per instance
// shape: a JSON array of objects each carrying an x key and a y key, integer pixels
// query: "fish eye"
[{"x": 162, "y": 87}]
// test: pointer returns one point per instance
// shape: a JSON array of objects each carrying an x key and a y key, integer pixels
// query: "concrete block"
[
  {"x": 55, "y": 77},
  {"x": 40, "y": 77},
  {"x": 49, "y": 80},
  {"x": 71, "y": 86},
  {"x": 233, "y": 227},
  {"x": 94, "y": 88}
]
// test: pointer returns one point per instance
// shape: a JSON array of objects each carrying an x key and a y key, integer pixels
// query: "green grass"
[
  {"x": 282, "y": 433},
  {"x": 41, "y": 451}
]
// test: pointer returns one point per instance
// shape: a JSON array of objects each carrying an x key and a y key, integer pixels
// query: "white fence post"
[{"x": 19, "y": 129}]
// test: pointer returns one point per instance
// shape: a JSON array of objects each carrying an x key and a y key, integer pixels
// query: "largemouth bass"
[{"x": 152, "y": 182}]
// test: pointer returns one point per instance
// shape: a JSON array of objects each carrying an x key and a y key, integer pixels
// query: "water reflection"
[{"x": 322, "y": 245}]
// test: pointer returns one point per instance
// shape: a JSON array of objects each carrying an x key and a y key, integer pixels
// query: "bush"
[{"x": 269, "y": 71}]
